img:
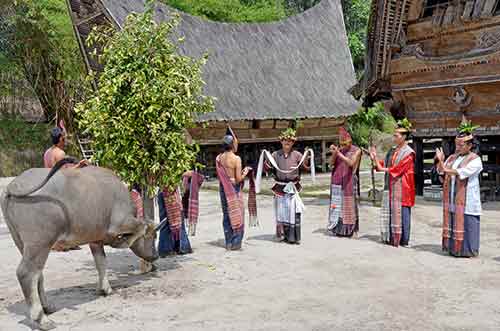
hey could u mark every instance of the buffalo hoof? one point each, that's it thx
(44, 324)
(49, 309)
(105, 291)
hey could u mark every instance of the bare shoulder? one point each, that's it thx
(58, 154)
(235, 160)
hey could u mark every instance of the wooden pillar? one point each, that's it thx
(419, 165)
(497, 162)
(323, 156)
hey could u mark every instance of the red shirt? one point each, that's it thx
(405, 169)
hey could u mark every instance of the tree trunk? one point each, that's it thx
(374, 189)
(148, 205)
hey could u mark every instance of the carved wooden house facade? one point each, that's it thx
(435, 61)
(264, 76)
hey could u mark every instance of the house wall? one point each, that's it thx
(443, 72)
(254, 136)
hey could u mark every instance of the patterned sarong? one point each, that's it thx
(191, 186)
(288, 205)
(137, 199)
(391, 214)
(234, 199)
(173, 205)
(335, 214)
(454, 206)
(343, 194)
(252, 200)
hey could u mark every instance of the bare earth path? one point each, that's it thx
(324, 284)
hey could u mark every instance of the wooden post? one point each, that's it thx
(323, 156)
(419, 166)
(374, 187)
(497, 162)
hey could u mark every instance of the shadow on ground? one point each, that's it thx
(431, 248)
(119, 267)
(218, 243)
(374, 238)
(323, 231)
(263, 237)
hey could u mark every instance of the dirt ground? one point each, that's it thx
(325, 283)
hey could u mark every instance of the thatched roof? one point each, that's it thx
(296, 68)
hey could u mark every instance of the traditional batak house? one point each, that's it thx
(264, 76)
(436, 61)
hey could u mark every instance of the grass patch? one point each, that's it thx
(233, 10)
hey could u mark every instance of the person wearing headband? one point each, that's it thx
(231, 177)
(399, 187)
(343, 218)
(287, 188)
(56, 152)
(461, 195)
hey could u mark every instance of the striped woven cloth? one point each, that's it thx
(233, 198)
(252, 200)
(454, 206)
(173, 206)
(137, 199)
(191, 200)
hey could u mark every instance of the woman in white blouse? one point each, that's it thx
(461, 197)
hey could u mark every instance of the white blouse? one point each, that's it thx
(473, 194)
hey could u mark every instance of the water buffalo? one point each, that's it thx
(67, 207)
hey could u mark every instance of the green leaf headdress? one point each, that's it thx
(466, 127)
(466, 130)
(288, 134)
(403, 126)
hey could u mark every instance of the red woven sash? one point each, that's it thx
(457, 231)
(233, 198)
(173, 206)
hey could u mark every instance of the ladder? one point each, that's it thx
(85, 144)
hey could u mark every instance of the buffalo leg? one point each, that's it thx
(97, 250)
(29, 273)
(47, 308)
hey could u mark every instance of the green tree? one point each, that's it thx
(356, 16)
(147, 96)
(367, 123)
(42, 51)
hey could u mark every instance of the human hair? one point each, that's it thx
(137, 188)
(407, 135)
(474, 143)
(55, 135)
(227, 147)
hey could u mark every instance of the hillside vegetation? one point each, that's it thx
(233, 10)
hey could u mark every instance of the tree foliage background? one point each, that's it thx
(37, 44)
(368, 124)
(147, 96)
